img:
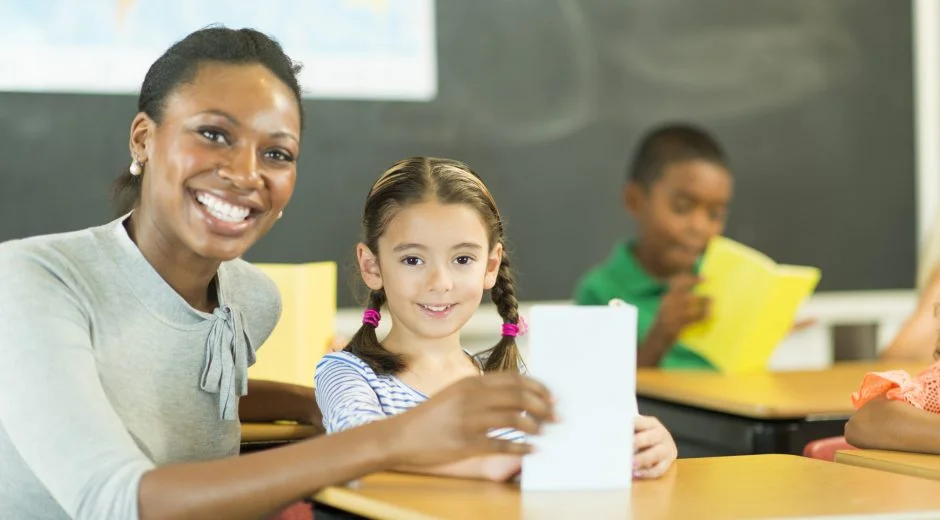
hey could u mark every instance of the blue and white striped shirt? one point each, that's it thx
(351, 394)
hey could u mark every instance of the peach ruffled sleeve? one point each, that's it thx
(922, 392)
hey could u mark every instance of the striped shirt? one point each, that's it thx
(351, 394)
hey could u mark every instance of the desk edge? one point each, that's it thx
(348, 500)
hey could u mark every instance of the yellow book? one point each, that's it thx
(754, 302)
(300, 339)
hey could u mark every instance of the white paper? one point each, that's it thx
(587, 358)
(349, 48)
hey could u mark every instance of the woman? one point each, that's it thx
(125, 347)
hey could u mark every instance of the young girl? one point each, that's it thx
(433, 244)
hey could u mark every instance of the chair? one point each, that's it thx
(825, 449)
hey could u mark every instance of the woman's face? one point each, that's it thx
(222, 163)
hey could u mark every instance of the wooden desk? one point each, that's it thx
(770, 412)
(915, 464)
(726, 487)
(257, 436)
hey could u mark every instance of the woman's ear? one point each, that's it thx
(142, 128)
(369, 267)
(493, 262)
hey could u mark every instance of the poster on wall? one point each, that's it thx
(350, 49)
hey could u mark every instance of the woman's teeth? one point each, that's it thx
(222, 210)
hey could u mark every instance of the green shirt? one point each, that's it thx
(622, 276)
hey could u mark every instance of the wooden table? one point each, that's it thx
(257, 436)
(726, 487)
(769, 412)
(915, 464)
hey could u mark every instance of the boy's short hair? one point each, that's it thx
(671, 143)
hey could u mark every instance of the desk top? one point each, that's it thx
(268, 432)
(766, 395)
(723, 487)
(916, 464)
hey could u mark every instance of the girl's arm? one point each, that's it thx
(498, 468)
(894, 425)
(918, 337)
(348, 400)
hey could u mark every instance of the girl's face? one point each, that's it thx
(221, 164)
(434, 262)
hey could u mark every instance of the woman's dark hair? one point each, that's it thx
(179, 65)
(449, 182)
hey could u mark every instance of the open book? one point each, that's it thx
(754, 302)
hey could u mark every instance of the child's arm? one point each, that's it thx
(918, 338)
(347, 401)
(894, 425)
(680, 307)
(343, 394)
(498, 468)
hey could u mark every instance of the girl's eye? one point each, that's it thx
(464, 260)
(213, 135)
(411, 260)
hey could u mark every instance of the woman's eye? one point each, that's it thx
(214, 135)
(411, 260)
(279, 155)
(464, 260)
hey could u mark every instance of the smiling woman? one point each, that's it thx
(126, 346)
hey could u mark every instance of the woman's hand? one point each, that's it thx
(454, 423)
(654, 448)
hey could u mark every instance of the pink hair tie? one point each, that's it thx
(371, 317)
(515, 329)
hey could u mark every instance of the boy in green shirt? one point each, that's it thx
(678, 190)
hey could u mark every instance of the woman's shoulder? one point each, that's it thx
(245, 287)
(63, 257)
(245, 282)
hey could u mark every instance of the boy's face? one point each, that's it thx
(680, 212)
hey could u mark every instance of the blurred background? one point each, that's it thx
(829, 111)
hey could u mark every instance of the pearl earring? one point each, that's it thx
(136, 168)
(280, 214)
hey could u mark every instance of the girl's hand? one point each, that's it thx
(501, 468)
(653, 447)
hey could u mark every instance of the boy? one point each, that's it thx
(678, 190)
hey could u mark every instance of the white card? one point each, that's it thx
(586, 356)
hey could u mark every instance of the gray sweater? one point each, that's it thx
(106, 372)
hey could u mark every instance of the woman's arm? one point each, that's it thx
(918, 337)
(269, 401)
(348, 401)
(894, 425)
(62, 425)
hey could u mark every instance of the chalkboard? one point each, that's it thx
(545, 99)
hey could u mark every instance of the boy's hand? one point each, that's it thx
(680, 307)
